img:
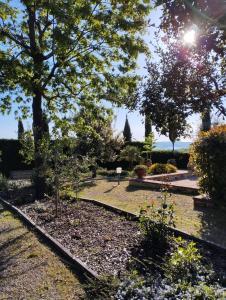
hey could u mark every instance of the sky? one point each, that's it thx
(8, 124)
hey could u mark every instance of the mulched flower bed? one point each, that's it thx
(100, 238)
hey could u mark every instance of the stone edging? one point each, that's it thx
(175, 231)
(76, 263)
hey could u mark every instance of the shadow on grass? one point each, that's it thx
(111, 189)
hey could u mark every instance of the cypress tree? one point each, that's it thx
(148, 125)
(20, 131)
(127, 131)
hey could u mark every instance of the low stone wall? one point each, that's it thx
(169, 177)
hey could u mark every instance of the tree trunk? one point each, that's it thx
(206, 120)
(38, 131)
(173, 146)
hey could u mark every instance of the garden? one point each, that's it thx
(87, 211)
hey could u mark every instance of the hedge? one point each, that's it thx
(181, 158)
(10, 158)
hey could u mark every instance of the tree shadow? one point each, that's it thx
(111, 189)
(213, 225)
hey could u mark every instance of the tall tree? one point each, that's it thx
(127, 131)
(20, 131)
(208, 21)
(58, 55)
(95, 137)
(147, 124)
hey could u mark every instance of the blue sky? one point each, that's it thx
(8, 128)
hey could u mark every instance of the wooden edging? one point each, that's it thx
(175, 231)
(80, 268)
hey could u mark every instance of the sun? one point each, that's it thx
(189, 37)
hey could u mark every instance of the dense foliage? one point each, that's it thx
(131, 154)
(3, 183)
(13, 160)
(57, 57)
(159, 168)
(208, 156)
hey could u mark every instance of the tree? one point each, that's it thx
(94, 136)
(147, 124)
(182, 82)
(149, 145)
(127, 131)
(57, 56)
(130, 154)
(209, 16)
(176, 128)
(208, 20)
(20, 131)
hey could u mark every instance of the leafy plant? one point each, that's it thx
(140, 167)
(184, 262)
(131, 154)
(155, 223)
(159, 168)
(149, 145)
(4, 184)
(172, 161)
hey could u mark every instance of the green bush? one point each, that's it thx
(4, 185)
(139, 167)
(11, 158)
(172, 161)
(154, 223)
(161, 169)
(208, 156)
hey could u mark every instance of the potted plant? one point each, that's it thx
(140, 171)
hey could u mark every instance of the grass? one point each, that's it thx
(208, 223)
(29, 270)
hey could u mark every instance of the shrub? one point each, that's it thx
(185, 262)
(208, 156)
(155, 223)
(172, 161)
(112, 173)
(162, 169)
(4, 185)
(11, 158)
(131, 154)
(140, 171)
(184, 276)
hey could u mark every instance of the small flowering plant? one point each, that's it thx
(155, 223)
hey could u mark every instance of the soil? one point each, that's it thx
(101, 239)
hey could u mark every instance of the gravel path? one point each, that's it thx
(28, 269)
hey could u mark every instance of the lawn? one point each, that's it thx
(29, 270)
(209, 224)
